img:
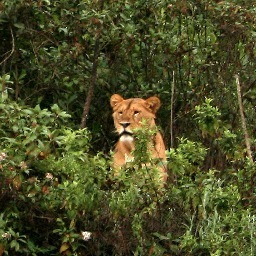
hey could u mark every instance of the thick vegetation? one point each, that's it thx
(60, 63)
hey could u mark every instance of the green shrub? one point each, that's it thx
(49, 182)
(56, 198)
(219, 224)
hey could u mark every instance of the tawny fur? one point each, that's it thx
(128, 115)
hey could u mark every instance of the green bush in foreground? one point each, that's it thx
(58, 199)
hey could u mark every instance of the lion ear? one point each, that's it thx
(115, 99)
(154, 103)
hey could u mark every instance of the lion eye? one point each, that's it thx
(120, 113)
(136, 113)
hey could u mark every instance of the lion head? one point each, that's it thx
(128, 114)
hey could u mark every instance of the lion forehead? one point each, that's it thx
(135, 104)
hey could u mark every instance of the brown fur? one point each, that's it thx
(128, 115)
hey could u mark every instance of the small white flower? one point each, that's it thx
(86, 235)
(2, 156)
(6, 235)
(49, 176)
(23, 165)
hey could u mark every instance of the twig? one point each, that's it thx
(11, 51)
(241, 108)
(35, 92)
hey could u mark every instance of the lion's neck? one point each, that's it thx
(127, 139)
(126, 144)
(123, 150)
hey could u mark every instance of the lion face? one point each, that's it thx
(128, 114)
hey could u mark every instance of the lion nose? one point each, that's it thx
(125, 124)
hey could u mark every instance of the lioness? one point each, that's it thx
(128, 115)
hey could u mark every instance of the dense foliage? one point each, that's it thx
(60, 63)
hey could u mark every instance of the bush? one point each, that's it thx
(56, 198)
(45, 169)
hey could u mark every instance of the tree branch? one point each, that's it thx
(93, 78)
(241, 108)
(172, 100)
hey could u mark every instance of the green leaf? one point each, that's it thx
(28, 111)
(15, 245)
(19, 25)
(162, 237)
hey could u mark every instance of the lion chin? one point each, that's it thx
(128, 115)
